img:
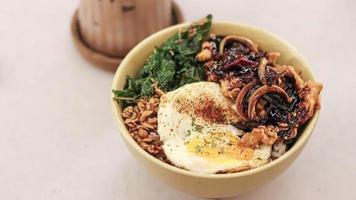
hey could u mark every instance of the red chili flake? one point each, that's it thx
(210, 112)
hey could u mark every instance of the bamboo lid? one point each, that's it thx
(100, 58)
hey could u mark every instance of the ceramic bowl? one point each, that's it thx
(212, 185)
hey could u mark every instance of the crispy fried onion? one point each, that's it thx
(206, 52)
(262, 70)
(272, 57)
(261, 135)
(254, 98)
(290, 71)
(292, 134)
(247, 42)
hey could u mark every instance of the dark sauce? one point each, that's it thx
(277, 108)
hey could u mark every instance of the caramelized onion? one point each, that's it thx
(291, 72)
(299, 83)
(242, 61)
(240, 98)
(251, 112)
(251, 45)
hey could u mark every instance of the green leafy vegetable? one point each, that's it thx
(171, 65)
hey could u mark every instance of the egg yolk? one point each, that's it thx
(219, 146)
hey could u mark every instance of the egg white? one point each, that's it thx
(179, 130)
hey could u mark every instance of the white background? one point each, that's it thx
(58, 139)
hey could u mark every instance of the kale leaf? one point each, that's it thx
(171, 65)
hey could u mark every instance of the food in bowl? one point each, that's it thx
(216, 104)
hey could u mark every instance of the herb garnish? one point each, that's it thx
(171, 65)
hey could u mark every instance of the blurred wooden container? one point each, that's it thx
(105, 30)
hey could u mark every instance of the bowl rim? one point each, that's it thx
(302, 139)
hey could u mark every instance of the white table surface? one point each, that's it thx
(58, 139)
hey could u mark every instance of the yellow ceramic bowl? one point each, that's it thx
(212, 185)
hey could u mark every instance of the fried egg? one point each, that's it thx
(195, 126)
